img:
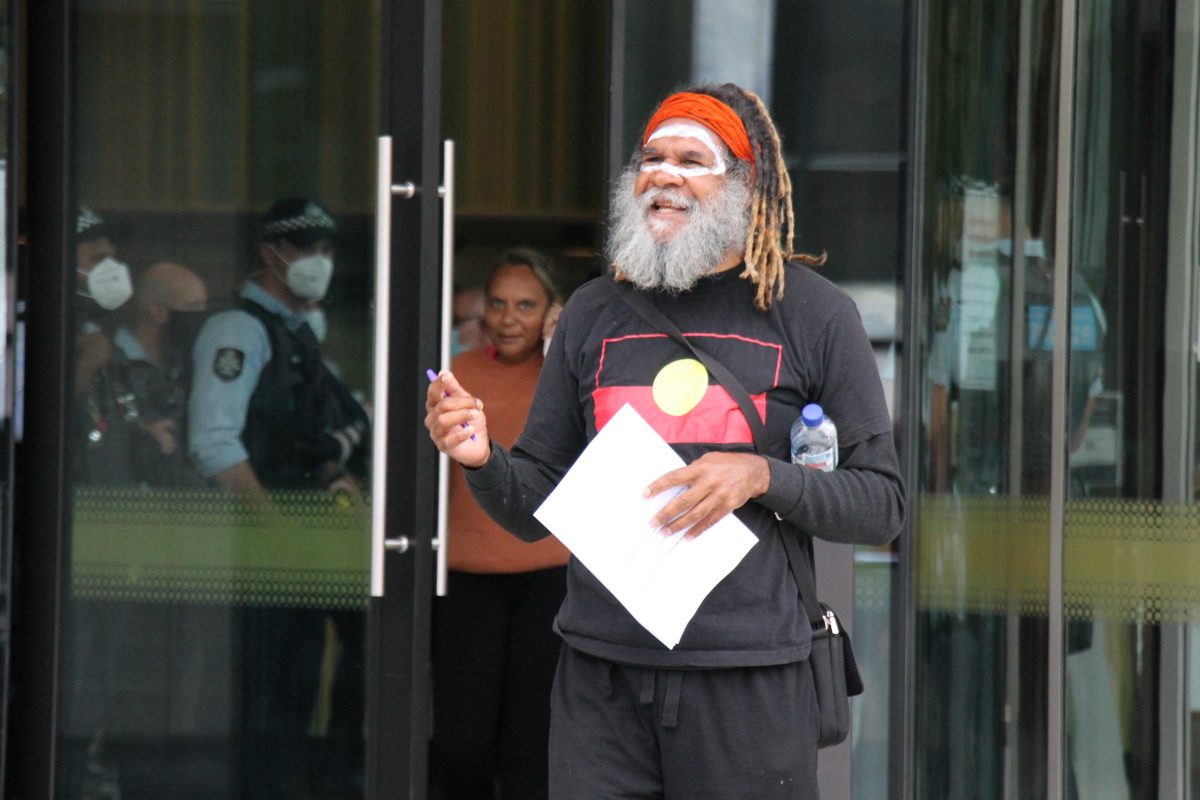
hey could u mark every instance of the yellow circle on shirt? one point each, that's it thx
(679, 386)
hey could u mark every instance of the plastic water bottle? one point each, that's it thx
(814, 439)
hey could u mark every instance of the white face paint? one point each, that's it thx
(690, 130)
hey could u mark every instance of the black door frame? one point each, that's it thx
(399, 671)
(398, 623)
(40, 507)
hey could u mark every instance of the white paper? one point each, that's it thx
(599, 513)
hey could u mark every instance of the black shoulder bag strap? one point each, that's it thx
(798, 560)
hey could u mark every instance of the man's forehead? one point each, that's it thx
(322, 245)
(94, 248)
(97, 243)
(689, 129)
(189, 296)
(468, 300)
(681, 148)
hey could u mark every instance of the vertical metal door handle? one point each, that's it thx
(384, 191)
(446, 192)
(383, 286)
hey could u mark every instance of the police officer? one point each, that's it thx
(105, 425)
(260, 414)
(263, 415)
(106, 416)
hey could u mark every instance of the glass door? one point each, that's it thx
(1125, 598)
(229, 506)
(1054, 528)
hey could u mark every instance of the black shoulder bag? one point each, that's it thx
(835, 672)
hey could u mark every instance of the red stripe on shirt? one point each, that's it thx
(716, 419)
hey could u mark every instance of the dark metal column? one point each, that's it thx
(40, 495)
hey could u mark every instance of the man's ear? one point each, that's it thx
(159, 313)
(267, 254)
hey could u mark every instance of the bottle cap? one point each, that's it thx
(812, 415)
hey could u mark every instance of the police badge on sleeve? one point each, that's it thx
(227, 363)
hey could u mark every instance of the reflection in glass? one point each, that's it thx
(983, 515)
(1119, 246)
(989, 369)
(214, 623)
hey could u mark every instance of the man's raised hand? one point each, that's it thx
(456, 422)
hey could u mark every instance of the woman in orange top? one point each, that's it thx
(494, 650)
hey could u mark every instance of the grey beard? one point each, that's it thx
(713, 229)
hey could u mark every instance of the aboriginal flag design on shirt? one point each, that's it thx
(674, 392)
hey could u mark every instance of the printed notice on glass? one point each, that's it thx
(980, 289)
(599, 513)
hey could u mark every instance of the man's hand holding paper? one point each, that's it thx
(714, 485)
(601, 512)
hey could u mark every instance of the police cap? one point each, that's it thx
(90, 226)
(300, 221)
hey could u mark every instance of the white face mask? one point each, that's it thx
(316, 320)
(308, 277)
(109, 284)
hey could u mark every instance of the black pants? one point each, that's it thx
(494, 654)
(620, 732)
(285, 755)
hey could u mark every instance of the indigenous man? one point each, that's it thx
(698, 229)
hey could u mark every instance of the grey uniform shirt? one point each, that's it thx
(228, 357)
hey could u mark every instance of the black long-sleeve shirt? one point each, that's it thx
(809, 347)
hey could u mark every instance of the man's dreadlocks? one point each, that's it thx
(771, 196)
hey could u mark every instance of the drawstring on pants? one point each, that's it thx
(671, 694)
(670, 715)
(647, 695)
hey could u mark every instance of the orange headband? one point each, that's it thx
(709, 112)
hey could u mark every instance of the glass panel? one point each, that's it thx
(983, 507)
(215, 616)
(1115, 517)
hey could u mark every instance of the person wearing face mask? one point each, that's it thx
(261, 414)
(494, 648)
(258, 382)
(105, 427)
(466, 330)
(106, 417)
(165, 294)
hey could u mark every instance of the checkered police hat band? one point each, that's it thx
(312, 218)
(86, 220)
